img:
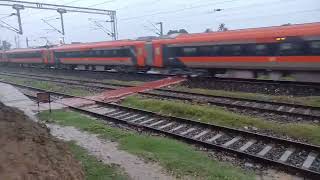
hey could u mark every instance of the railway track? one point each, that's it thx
(282, 87)
(258, 86)
(293, 110)
(288, 155)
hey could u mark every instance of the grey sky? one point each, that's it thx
(135, 17)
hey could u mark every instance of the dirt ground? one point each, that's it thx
(109, 153)
(29, 152)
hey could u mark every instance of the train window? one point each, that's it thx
(69, 54)
(91, 53)
(97, 53)
(315, 47)
(290, 49)
(216, 50)
(261, 49)
(190, 51)
(232, 50)
(205, 51)
(83, 54)
(125, 52)
(105, 52)
(172, 51)
(286, 46)
(75, 54)
(236, 50)
(25, 55)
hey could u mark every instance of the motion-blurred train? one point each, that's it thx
(275, 52)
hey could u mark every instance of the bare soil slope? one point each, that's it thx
(28, 151)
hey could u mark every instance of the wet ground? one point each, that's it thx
(109, 153)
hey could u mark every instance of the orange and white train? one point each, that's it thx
(275, 51)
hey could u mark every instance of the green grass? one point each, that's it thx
(51, 86)
(176, 157)
(309, 100)
(219, 116)
(94, 169)
(129, 83)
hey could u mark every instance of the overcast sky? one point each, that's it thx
(135, 17)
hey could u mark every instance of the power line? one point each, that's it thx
(55, 2)
(68, 3)
(176, 10)
(279, 14)
(105, 2)
(61, 9)
(232, 8)
(264, 16)
(138, 4)
(4, 17)
(151, 30)
(54, 28)
(256, 4)
(184, 9)
(101, 27)
(71, 2)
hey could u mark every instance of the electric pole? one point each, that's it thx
(17, 41)
(61, 12)
(27, 42)
(161, 28)
(18, 7)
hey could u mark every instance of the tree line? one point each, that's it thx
(5, 45)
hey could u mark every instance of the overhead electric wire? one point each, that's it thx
(184, 9)
(230, 9)
(67, 3)
(263, 16)
(105, 2)
(241, 7)
(269, 15)
(8, 15)
(138, 4)
(177, 10)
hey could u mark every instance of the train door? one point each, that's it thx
(158, 55)
(140, 54)
(45, 57)
(149, 54)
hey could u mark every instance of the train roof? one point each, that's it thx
(25, 50)
(104, 44)
(263, 34)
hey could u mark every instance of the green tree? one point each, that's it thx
(5, 45)
(222, 27)
(182, 31)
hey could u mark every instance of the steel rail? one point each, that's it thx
(219, 79)
(261, 159)
(190, 96)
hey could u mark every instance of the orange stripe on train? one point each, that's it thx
(96, 59)
(259, 59)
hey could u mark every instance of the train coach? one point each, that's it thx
(39, 57)
(274, 51)
(2, 57)
(123, 55)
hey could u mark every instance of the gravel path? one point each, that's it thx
(109, 153)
